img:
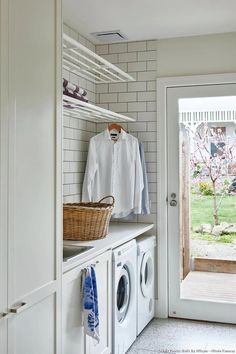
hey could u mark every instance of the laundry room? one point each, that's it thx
(117, 177)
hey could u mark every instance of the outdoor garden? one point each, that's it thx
(213, 193)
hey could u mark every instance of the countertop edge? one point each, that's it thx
(109, 245)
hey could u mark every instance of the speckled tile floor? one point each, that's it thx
(174, 336)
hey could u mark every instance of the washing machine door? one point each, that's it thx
(146, 274)
(123, 294)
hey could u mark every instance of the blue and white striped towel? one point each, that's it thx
(90, 303)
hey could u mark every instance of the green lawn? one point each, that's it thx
(202, 213)
(202, 210)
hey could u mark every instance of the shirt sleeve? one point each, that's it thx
(90, 171)
(139, 185)
(145, 194)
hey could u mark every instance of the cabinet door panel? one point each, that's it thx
(103, 275)
(73, 339)
(3, 171)
(34, 329)
(72, 330)
(3, 336)
(32, 146)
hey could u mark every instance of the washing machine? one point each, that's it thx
(145, 281)
(124, 296)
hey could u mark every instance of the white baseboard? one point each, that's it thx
(159, 313)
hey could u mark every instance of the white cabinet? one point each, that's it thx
(104, 286)
(30, 216)
(72, 330)
(34, 329)
(73, 339)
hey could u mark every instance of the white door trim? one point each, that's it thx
(162, 257)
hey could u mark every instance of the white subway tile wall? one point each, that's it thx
(137, 100)
(76, 134)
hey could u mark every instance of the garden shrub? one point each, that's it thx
(205, 188)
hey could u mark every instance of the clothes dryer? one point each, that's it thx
(145, 281)
(124, 297)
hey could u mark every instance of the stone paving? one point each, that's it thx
(209, 249)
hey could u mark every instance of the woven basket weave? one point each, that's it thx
(87, 221)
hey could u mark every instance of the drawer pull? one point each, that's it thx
(18, 308)
(3, 315)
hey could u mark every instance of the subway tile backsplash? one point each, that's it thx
(76, 134)
(135, 99)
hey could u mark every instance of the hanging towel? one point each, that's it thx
(90, 303)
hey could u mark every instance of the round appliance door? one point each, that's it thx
(123, 294)
(146, 274)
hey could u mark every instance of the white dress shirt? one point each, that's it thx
(114, 168)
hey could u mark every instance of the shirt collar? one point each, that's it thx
(122, 136)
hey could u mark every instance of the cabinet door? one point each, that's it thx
(104, 286)
(34, 256)
(73, 339)
(4, 58)
(3, 208)
(34, 329)
(72, 330)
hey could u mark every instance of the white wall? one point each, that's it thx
(197, 55)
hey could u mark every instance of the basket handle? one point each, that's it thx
(108, 196)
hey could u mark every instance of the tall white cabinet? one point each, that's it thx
(30, 183)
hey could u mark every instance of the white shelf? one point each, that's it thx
(87, 64)
(82, 110)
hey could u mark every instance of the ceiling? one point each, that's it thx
(150, 19)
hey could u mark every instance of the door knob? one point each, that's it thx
(173, 203)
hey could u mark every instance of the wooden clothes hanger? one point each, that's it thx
(115, 126)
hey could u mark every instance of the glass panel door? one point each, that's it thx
(202, 202)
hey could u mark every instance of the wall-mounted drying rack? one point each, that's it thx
(82, 110)
(89, 65)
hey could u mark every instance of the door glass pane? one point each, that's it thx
(123, 295)
(121, 291)
(146, 273)
(207, 165)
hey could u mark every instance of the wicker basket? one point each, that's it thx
(87, 221)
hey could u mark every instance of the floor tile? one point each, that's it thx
(175, 336)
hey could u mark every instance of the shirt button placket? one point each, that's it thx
(113, 167)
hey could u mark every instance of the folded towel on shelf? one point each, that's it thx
(74, 88)
(80, 91)
(90, 303)
(79, 97)
(70, 93)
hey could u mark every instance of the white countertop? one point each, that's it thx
(119, 233)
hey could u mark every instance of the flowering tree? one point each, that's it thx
(213, 155)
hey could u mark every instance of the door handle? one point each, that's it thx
(19, 308)
(173, 203)
(4, 315)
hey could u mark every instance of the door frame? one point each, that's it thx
(162, 302)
